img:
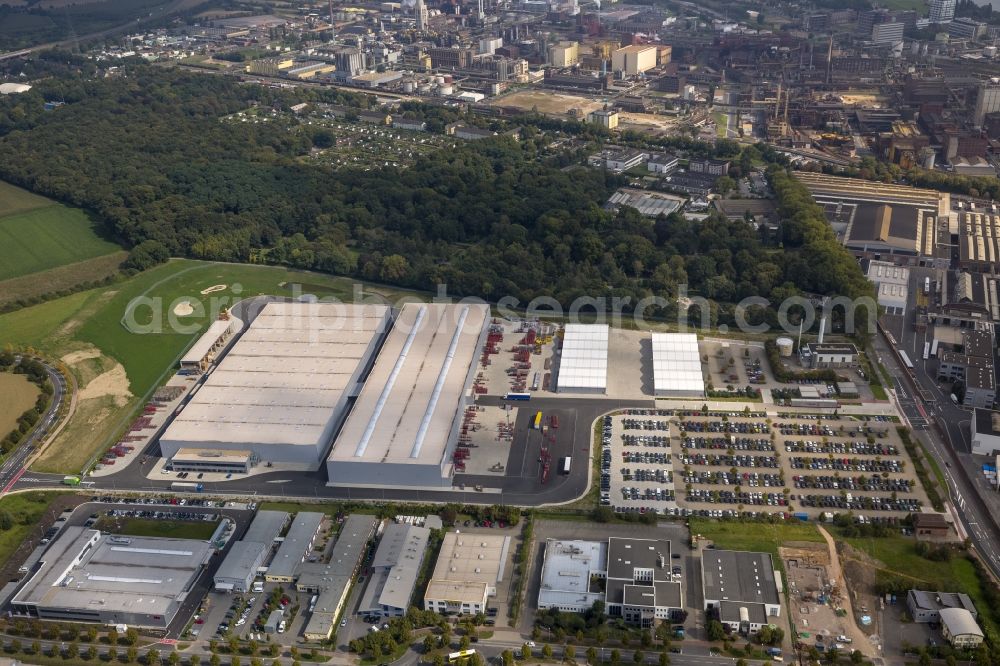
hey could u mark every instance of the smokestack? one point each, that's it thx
(333, 35)
(822, 328)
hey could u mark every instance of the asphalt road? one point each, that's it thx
(943, 429)
(13, 468)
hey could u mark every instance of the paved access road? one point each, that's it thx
(14, 467)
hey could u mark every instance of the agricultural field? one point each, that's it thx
(44, 238)
(17, 394)
(62, 278)
(120, 349)
(15, 200)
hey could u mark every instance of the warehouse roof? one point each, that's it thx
(626, 555)
(352, 541)
(293, 549)
(242, 560)
(583, 360)
(266, 526)
(733, 575)
(141, 575)
(396, 566)
(677, 364)
(282, 380)
(204, 344)
(468, 565)
(407, 408)
(566, 571)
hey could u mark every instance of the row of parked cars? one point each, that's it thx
(712, 460)
(857, 448)
(734, 443)
(858, 503)
(741, 427)
(891, 465)
(875, 482)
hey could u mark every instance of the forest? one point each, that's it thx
(147, 152)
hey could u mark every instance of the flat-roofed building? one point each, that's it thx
(330, 579)
(979, 241)
(568, 571)
(404, 426)
(296, 545)
(741, 587)
(677, 365)
(647, 202)
(206, 348)
(266, 527)
(394, 570)
(283, 388)
(468, 569)
(926, 606)
(213, 460)
(830, 355)
(985, 426)
(880, 221)
(240, 566)
(633, 60)
(891, 284)
(973, 366)
(86, 576)
(583, 359)
(640, 587)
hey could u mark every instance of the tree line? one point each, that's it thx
(149, 153)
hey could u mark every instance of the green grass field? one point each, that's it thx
(17, 394)
(26, 509)
(14, 200)
(761, 537)
(173, 529)
(44, 238)
(899, 557)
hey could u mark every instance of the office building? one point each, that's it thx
(741, 588)
(87, 576)
(926, 607)
(468, 569)
(942, 11)
(296, 545)
(394, 570)
(640, 587)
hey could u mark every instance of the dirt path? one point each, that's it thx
(861, 641)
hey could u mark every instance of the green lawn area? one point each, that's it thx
(899, 557)
(13, 200)
(27, 510)
(760, 537)
(43, 238)
(174, 529)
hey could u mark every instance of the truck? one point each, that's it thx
(186, 487)
(71, 480)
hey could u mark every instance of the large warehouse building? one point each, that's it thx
(583, 359)
(283, 389)
(677, 366)
(87, 576)
(403, 428)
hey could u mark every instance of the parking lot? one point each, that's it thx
(637, 471)
(721, 463)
